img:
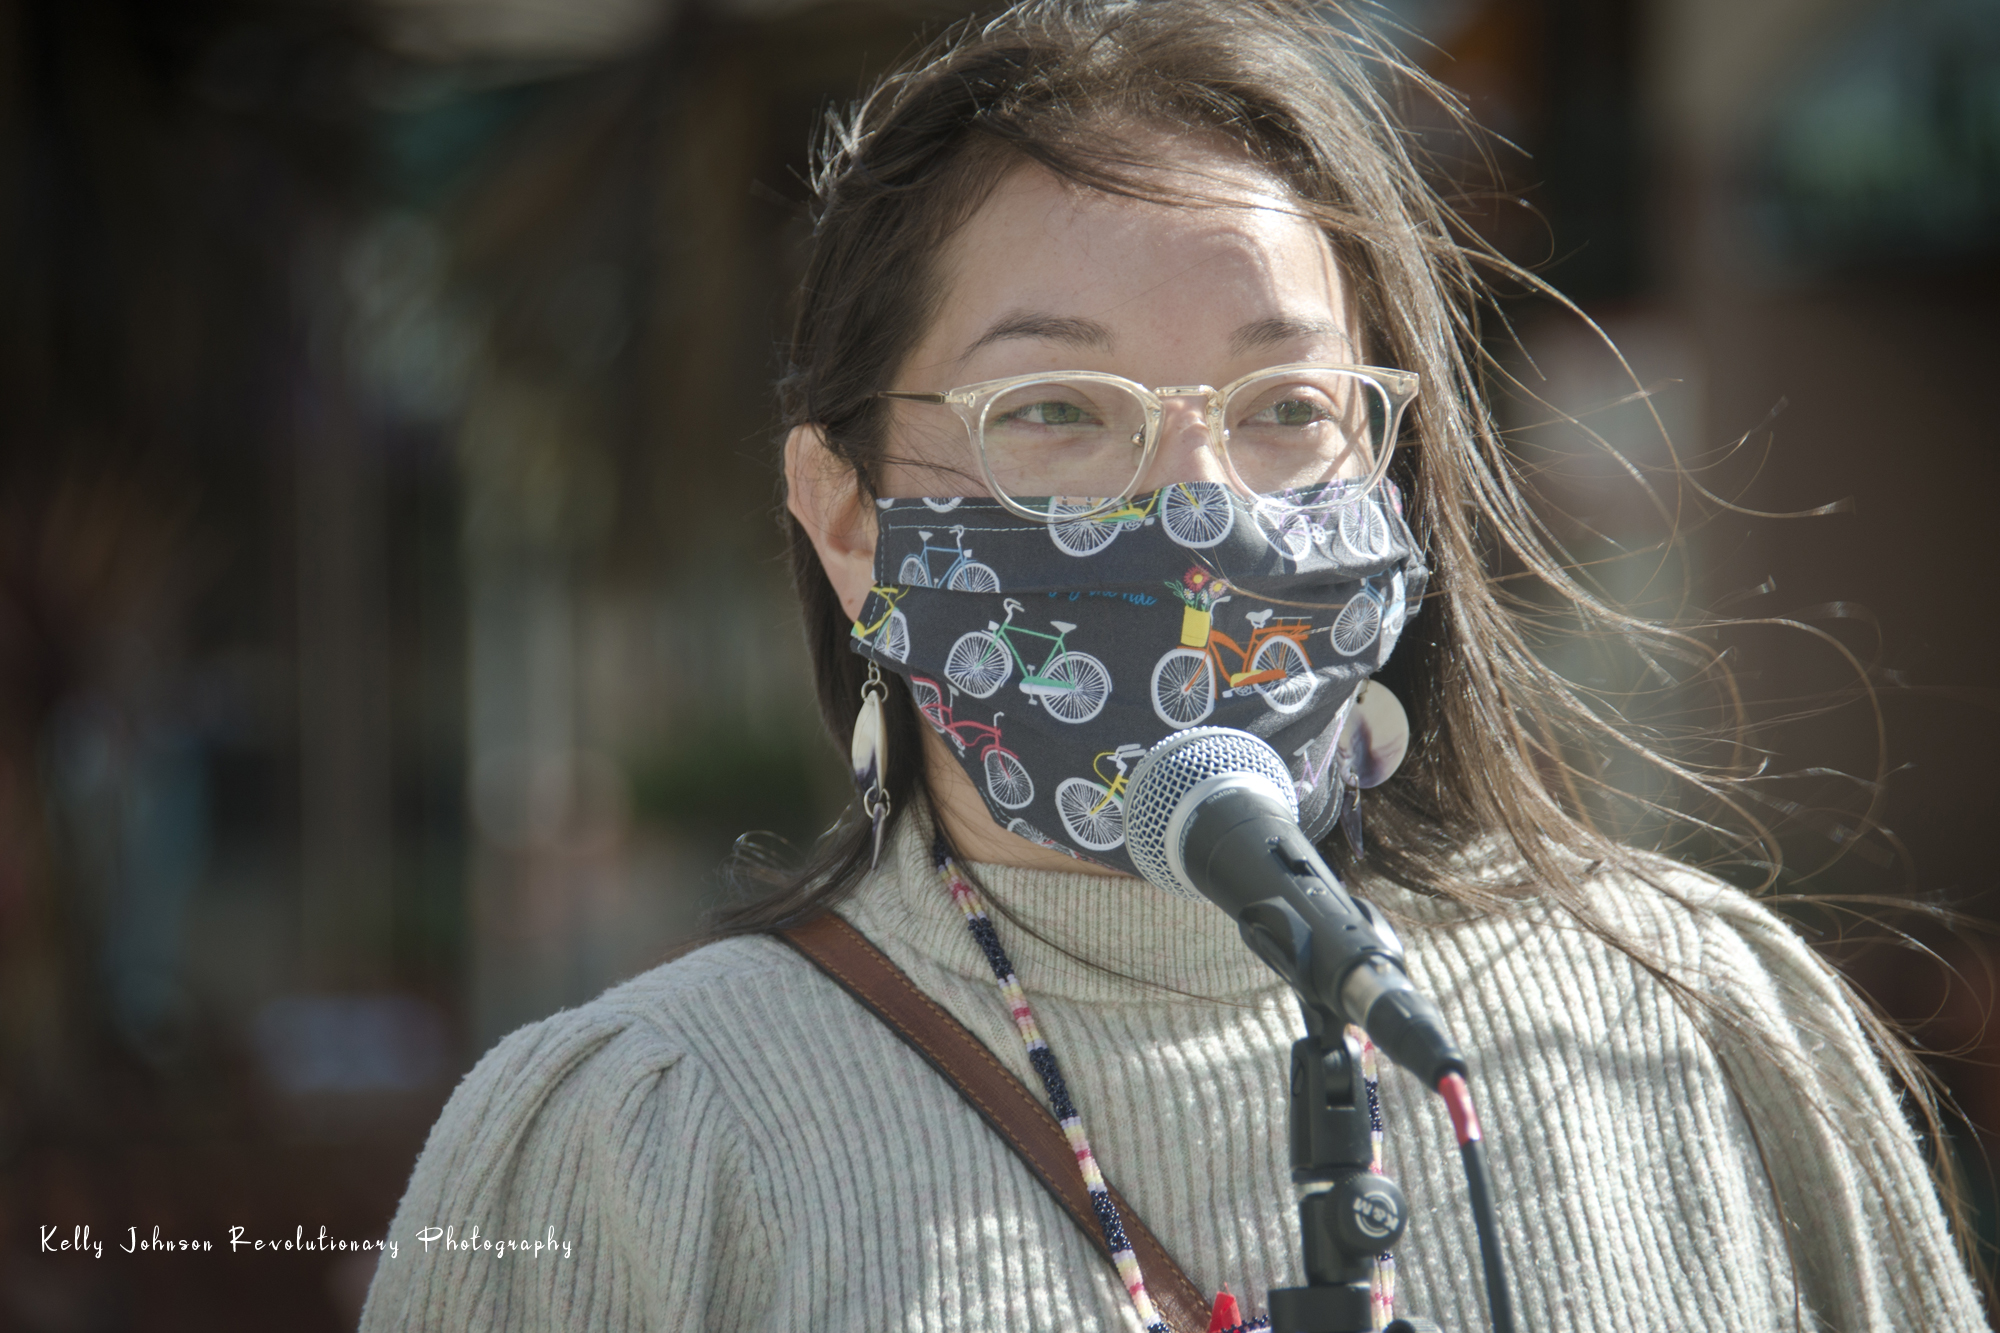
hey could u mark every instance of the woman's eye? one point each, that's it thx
(1052, 414)
(1289, 412)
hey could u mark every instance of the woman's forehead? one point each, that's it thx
(1197, 284)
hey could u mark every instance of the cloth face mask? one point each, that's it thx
(1052, 656)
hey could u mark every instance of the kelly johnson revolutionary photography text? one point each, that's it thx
(470, 1241)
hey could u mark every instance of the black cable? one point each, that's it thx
(1499, 1304)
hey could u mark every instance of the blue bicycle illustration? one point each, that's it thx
(962, 574)
(1072, 686)
(1359, 623)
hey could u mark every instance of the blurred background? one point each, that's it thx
(393, 631)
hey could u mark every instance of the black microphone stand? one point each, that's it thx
(1220, 826)
(1348, 1214)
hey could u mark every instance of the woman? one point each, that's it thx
(1035, 250)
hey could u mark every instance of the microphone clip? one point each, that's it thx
(1348, 1215)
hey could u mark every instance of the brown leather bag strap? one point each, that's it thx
(1002, 1100)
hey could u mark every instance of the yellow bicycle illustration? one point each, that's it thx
(1194, 513)
(890, 631)
(1094, 812)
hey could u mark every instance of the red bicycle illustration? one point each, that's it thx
(1007, 780)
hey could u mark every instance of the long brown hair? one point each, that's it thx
(1503, 746)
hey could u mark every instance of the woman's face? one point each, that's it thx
(1051, 277)
(1048, 276)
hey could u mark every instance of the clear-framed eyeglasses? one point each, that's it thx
(1303, 436)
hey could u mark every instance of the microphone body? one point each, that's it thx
(1210, 813)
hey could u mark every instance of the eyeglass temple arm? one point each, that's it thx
(914, 396)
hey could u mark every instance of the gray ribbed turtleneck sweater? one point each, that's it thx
(729, 1142)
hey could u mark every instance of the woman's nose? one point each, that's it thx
(1188, 449)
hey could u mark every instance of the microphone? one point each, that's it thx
(1210, 813)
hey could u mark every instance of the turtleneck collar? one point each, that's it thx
(1122, 940)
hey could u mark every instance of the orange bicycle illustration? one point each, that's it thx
(1007, 780)
(1094, 812)
(1273, 662)
(889, 632)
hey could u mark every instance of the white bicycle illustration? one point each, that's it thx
(1023, 828)
(1362, 529)
(1194, 513)
(1356, 524)
(1291, 532)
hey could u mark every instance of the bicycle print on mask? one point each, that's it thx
(1066, 649)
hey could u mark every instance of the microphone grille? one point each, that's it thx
(1170, 772)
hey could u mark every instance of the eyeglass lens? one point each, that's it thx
(1081, 437)
(1065, 437)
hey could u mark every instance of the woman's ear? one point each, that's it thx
(825, 496)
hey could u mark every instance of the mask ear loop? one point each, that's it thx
(868, 757)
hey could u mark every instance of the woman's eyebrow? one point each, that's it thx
(1084, 333)
(1260, 334)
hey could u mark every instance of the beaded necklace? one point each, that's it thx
(1044, 1062)
(1382, 1286)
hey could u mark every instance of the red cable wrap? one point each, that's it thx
(1458, 1101)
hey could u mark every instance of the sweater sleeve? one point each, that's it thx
(592, 1136)
(1867, 1235)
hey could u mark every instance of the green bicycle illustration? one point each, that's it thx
(1094, 812)
(890, 632)
(963, 574)
(1072, 686)
(1273, 662)
(1194, 513)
